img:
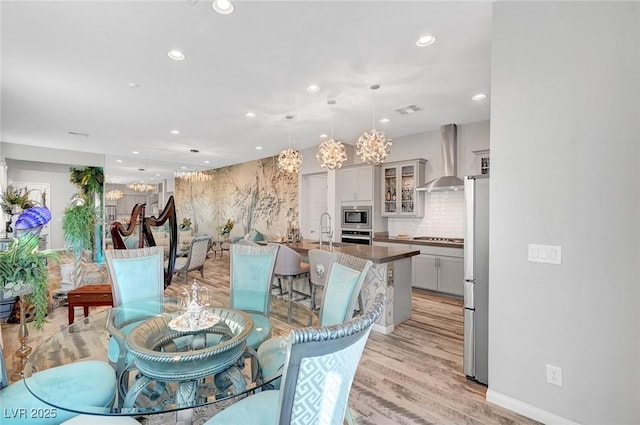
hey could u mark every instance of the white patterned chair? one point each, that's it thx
(317, 377)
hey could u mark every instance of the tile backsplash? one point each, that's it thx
(443, 217)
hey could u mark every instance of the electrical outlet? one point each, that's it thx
(554, 375)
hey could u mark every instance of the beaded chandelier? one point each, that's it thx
(331, 153)
(373, 146)
(114, 195)
(289, 159)
(141, 187)
(194, 176)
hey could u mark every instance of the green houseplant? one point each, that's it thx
(90, 181)
(78, 225)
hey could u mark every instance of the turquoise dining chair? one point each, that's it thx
(86, 383)
(321, 363)
(137, 278)
(251, 271)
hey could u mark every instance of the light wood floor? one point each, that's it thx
(412, 376)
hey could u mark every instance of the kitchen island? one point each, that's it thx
(390, 274)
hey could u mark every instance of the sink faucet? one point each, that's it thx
(326, 230)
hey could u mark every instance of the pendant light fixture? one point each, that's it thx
(373, 146)
(289, 159)
(331, 153)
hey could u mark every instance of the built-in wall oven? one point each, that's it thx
(356, 225)
(361, 237)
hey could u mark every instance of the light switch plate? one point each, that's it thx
(550, 254)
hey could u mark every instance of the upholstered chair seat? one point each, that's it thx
(87, 383)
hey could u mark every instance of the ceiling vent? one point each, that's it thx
(407, 110)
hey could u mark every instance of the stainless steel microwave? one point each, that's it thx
(356, 217)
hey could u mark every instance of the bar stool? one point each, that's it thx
(320, 262)
(289, 266)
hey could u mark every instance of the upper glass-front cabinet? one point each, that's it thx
(399, 182)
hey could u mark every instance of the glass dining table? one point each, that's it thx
(171, 367)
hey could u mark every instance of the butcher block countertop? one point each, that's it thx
(376, 254)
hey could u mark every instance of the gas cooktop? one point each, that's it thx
(439, 240)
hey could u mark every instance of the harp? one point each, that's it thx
(145, 235)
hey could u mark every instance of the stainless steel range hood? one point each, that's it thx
(448, 181)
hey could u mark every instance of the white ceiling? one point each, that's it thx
(66, 67)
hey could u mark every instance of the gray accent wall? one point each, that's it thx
(565, 158)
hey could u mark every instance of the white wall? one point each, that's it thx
(564, 162)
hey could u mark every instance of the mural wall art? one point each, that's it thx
(254, 195)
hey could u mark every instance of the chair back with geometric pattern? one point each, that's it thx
(342, 288)
(251, 273)
(321, 363)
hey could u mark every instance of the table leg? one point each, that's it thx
(86, 310)
(70, 309)
(186, 393)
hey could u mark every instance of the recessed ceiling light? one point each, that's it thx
(479, 96)
(207, 161)
(223, 7)
(157, 174)
(313, 88)
(175, 132)
(176, 55)
(135, 152)
(250, 115)
(384, 120)
(258, 147)
(133, 85)
(426, 40)
(323, 136)
(183, 168)
(118, 160)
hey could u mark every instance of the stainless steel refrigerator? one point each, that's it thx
(476, 278)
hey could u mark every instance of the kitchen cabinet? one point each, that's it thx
(399, 194)
(356, 184)
(437, 272)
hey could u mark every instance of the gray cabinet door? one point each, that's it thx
(425, 272)
(451, 275)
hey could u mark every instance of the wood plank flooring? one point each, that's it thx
(412, 376)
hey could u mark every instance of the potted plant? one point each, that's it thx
(90, 181)
(23, 269)
(14, 201)
(186, 224)
(78, 226)
(226, 228)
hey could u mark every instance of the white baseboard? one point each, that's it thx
(383, 329)
(527, 410)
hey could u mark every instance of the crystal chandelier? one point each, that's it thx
(331, 153)
(194, 176)
(141, 187)
(373, 146)
(114, 195)
(290, 160)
